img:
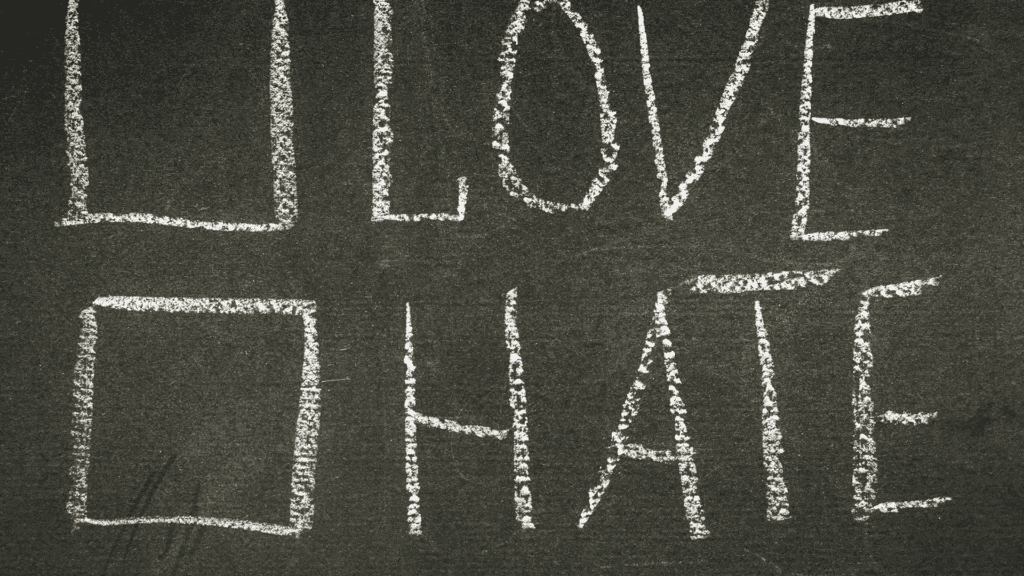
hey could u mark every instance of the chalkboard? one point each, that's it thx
(511, 287)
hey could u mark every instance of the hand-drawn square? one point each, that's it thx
(306, 429)
(283, 156)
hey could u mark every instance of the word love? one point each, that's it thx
(281, 127)
(659, 335)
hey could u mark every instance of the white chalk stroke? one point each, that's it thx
(764, 282)
(306, 427)
(864, 122)
(283, 155)
(609, 148)
(671, 204)
(682, 455)
(803, 187)
(520, 431)
(912, 419)
(383, 136)
(865, 465)
(520, 424)
(771, 435)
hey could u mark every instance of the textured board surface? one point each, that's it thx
(587, 287)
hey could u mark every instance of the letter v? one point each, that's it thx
(670, 205)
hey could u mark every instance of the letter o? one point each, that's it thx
(609, 149)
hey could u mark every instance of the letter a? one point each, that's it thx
(683, 452)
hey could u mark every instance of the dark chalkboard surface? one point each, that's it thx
(230, 345)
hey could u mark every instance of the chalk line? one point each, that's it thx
(285, 192)
(609, 148)
(74, 124)
(907, 418)
(453, 426)
(383, 136)
(892, 507)
(683, 455)
(81, 429)
(207, 305)
(275, 529)
(803, 189)
(864, 122)
(868, 10)
(283, 155)
(412, 468)
(865, 466)
(520, 434)
(771, 281)
(900, 290)
(639, 452)
(306, 429)
(670, 205)
(520, 424)
(771, 435)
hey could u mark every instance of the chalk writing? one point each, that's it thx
(520, 433)
(865, 467)
(383, 70)
(683, 453)
(283, 155)
(803, 169)
(771, 435)
(609, 148)
(306, 428)
(671, 205)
